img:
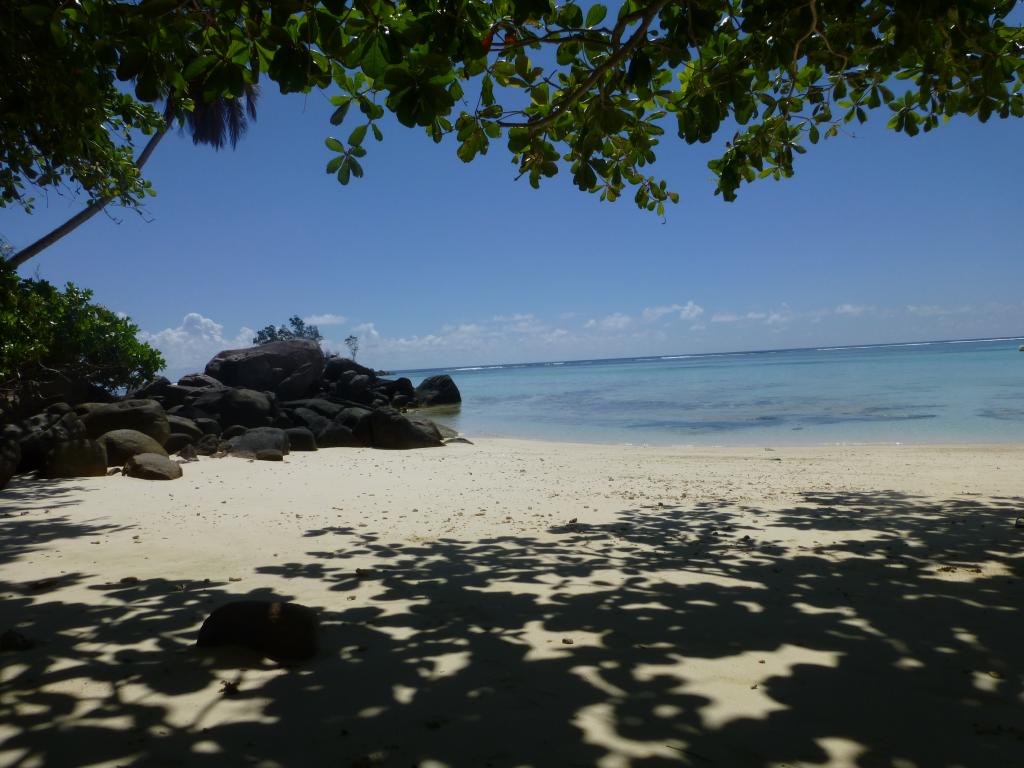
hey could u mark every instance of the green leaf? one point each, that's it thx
(333, 144)
(357, 136)
(335, 163)
(338, 117)
(596, 15)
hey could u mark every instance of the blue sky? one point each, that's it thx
(432, 262)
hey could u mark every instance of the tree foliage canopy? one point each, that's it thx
(298, 330)
(50, 336)
(586, 88)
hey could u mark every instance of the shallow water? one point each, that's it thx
(930, 392)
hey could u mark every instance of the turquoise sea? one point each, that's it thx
(925, 392)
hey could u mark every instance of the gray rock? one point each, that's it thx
(41, 434)
(301, 439)
(325, 408)
(77, 458)
(176, 442)
(209, 426)
(181, 426)
(337, 435)
(284, 632)
(152, 466)
(246, 407)
(10, 453)
(146, 416)
(266, 366)
(438, 390)
(334, 367)
(200, 381)
(210, 445)
(268, 454)
(255, 440)
(359, 420)
(234, 431)
(392, 431)
(122, 444)
(313, 421)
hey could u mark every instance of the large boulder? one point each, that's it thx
(152, 466)
(337, 435)
(244, 407)
(146, 416)
(281, 631)
(301, 439)
(122, 444)
(200, 381)
(393, 431)
(76, 458)
(267, 366)
(182, 426)
(41, 433)
(438, 390)
(360, 421)
(354, 387)
(336, 366)
(155, 388)
(256, 440)
(313, 421)
(325, 408)
(10, 453)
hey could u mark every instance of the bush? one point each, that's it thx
(54, 342)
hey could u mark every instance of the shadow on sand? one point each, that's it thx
(905, 615)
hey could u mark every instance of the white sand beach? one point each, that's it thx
(516, 603)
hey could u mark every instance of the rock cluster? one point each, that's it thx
(259, 403)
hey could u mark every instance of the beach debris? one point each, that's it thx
(152, 466)
(284, 632)
(567, 641)
(129, 581)
(12, 640)
(228, 688)
(450, 440)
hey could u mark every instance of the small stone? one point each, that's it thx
(567, 641)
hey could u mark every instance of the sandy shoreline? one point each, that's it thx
(798, 606)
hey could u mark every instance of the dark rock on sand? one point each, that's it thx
(438, 390)
(181, 425)
(301, 439)
(311, 420)
(255, 440)
(77, 458)
(10, 453)
(122, 444)
(176, 442)
(208, 426)
(146, 416)
(42, 433)
(245, 407)
(209, 445)
(393, 431)
(234, 431)
(284, 632)
(268, 454)
(152, 466)
(360, 421)
(336, 435)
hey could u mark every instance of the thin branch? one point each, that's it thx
(599, 71)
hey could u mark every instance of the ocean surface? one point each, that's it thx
(925, 392)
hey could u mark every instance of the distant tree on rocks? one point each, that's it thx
(298, 330)
(352, 342)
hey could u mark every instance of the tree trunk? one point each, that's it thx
(83, 216)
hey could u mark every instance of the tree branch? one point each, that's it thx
(614, 59)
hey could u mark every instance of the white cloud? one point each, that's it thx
(688, 311)
(326, 319)
(854, 310)
(775, 317)
(190, 346)
(933, 310)
(613, 322)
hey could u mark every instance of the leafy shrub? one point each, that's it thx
(52, 339)
(298, 330)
